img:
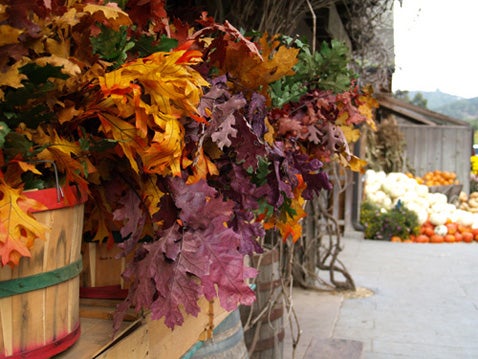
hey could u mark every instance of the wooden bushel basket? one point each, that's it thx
(39, 298)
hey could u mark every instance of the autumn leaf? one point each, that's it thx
(68, 67)
(202, 167)
(110, 13)
(352, 162)
(366, 107)
(18, 228)
(351, 134)
(9, 35)
(13, 77)
(125, 135)
(257, 73)
(173, 89)
(165, 153)
(289, 222)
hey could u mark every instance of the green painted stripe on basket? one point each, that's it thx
(39, 281)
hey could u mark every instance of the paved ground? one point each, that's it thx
(424, 304)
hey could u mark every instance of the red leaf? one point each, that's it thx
(227, 270)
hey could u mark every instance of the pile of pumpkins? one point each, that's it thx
(439, 220)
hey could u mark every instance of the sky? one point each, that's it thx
(436, 46)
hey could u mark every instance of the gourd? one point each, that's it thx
(438, 218)
(441, 230)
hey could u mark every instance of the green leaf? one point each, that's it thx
(259, 177)
(40, 74)
(112, 45)
(326, 69)
(146, 45)
(4, 130)
(17, 144)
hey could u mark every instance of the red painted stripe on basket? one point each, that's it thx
(49, 198)
(50, 349)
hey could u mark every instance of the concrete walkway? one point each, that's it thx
(423, 305)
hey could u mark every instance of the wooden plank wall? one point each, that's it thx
(444, 148)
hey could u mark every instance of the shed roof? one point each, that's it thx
(415, 113)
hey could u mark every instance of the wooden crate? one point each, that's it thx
(140, 336)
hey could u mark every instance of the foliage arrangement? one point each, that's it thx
(192, 141)
(380, 224)
(385, 147)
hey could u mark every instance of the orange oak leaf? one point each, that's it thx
(165, 153)
(256, 73)
(123, 132)
(65, 154)
(202, 167)
(18, 228)
(98, 222)
(15, 170)
(156, 91)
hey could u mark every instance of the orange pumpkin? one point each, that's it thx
(463, 229)
(395, 239)
(436, 238)
(474, 231)
(449, 238)
(421, 238)
(458, 237)
(452, 228)
(467, 237)
(429, 231)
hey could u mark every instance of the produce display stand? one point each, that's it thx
(139, 336)
(452, 192)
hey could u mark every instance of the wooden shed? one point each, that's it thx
(433, 141)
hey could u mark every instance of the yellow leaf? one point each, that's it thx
(25, 166)
(99, 218)
(9, 35)
(111, 12)
(68, 113)
(253, 72)
(12, 77)
(164, 155)
(368, 104)
(18, 228)
(69, 18)
(175, 88)
(353, 162)
(58, 48)
(269, 135)
(151, 194)
(351, 134)
(68, 67)
(125, 134)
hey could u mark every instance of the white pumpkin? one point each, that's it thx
(438, 218)
(441, 230)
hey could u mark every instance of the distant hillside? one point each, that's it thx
(436, 99)
(464, 109)
(453, 106)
